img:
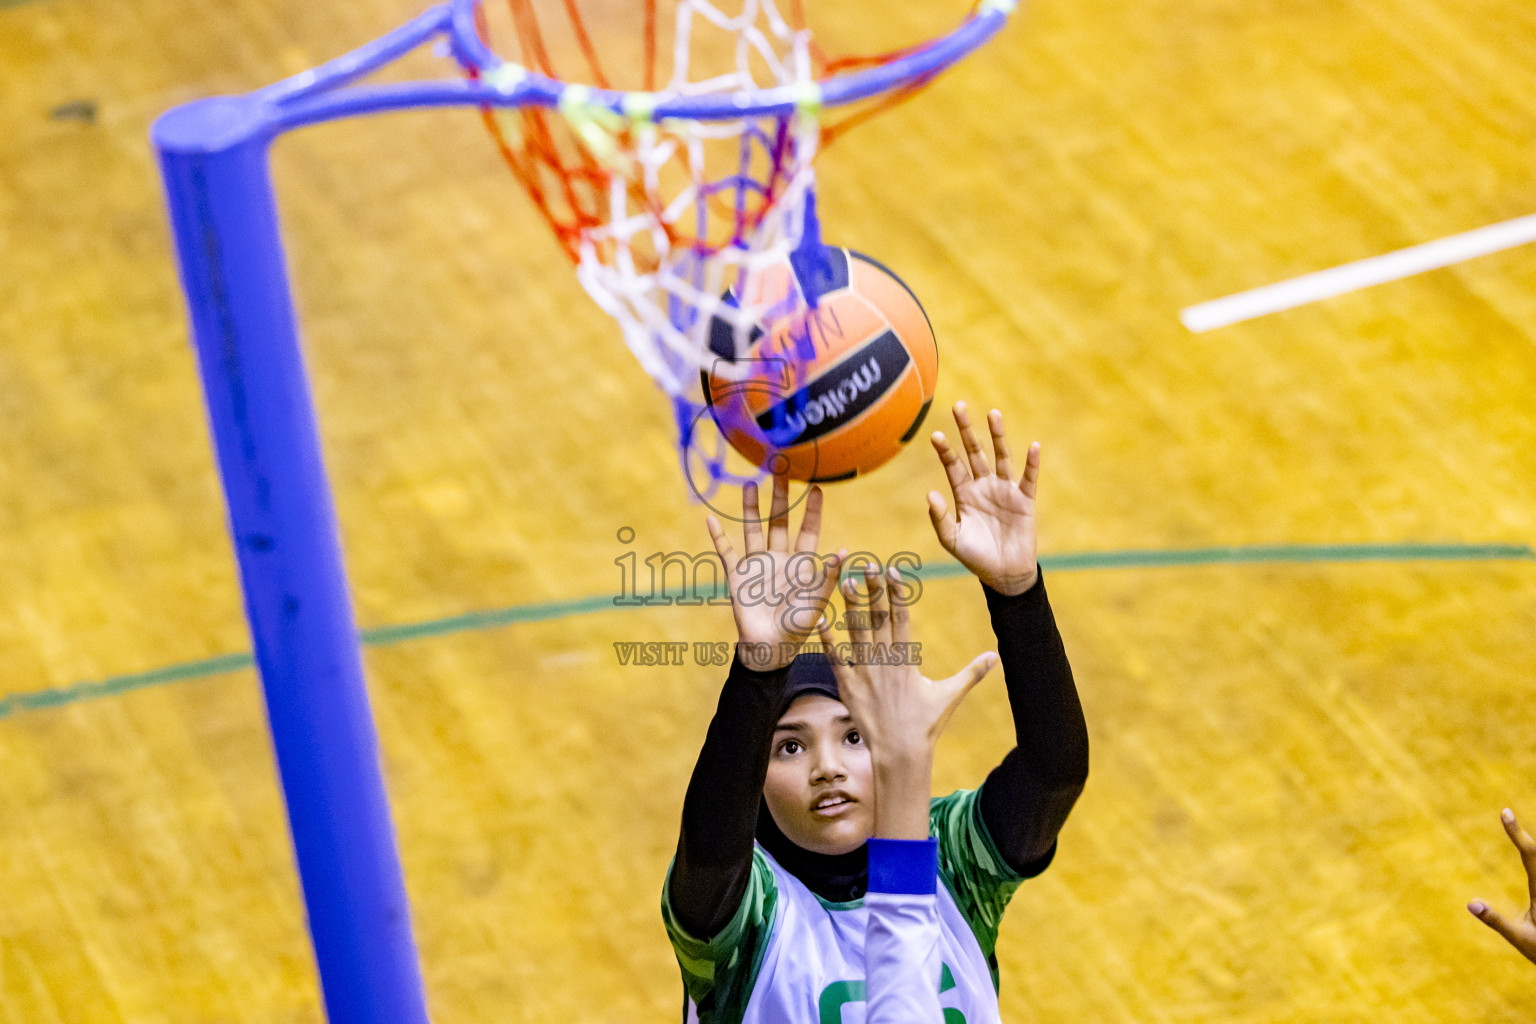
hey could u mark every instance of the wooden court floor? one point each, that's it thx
(1297, 765)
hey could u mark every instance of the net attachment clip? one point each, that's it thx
(808, 99)
(506, 77)
(599, 126)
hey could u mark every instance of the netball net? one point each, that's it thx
(666, 217)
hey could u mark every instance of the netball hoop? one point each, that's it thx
(658, 230)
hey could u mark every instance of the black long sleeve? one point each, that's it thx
(714, 849)
(1026, 799)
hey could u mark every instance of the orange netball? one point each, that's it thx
(825, 393)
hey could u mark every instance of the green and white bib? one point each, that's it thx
(789, 957)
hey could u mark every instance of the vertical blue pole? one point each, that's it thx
(213, 156)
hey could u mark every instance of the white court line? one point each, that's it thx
(1324, 284)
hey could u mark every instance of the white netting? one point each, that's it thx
(664, 258)
(665, 217)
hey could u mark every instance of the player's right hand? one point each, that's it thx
(778, 593)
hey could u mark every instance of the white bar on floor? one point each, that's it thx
(1324, 284)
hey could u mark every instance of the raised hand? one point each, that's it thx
(992, 529)
(900, 712)
(1521, 932)
(777, 593)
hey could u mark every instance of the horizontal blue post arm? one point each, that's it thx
(324, 93)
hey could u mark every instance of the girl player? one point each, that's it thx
(764, 901)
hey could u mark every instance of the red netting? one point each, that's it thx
(572, 187)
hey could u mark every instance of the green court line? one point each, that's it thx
(1289, 553)
(495, 618)
(39, 699)
(381, 636)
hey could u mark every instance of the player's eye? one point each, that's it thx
(854, 737)
(790, 747)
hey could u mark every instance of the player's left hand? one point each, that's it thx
(992, 530)
(900, 711)
(1520, 933)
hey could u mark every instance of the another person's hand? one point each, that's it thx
(778, 593)
(899, 711)
(992, 529)
(1521, 932)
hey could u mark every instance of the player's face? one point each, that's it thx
(820, 787)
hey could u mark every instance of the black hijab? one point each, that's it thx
(837, 878)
